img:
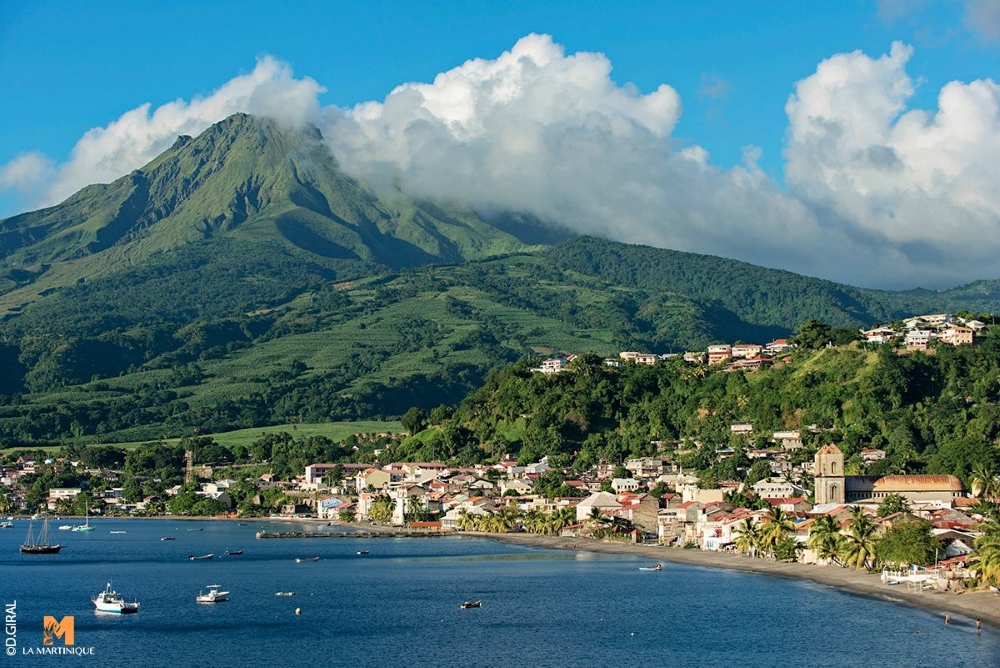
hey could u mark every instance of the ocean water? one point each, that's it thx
(399, 606)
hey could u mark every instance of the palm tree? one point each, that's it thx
(989, 554)
(859, 544)
(466, 522)
(985, 483)
(779, 525)
(825, 538)
(748, 537)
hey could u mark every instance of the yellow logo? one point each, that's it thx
(53, 629)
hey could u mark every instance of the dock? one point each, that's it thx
(350, 534)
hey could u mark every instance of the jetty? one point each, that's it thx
(350, 534)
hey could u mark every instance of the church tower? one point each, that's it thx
(829, 474)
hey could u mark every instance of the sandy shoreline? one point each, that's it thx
(963, 608)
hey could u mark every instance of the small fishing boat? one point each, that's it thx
(361, 552)
(111, 601)
(657, 567)
(7, 525)
(66, 527)
(285, 593)
(116, 532)
(192, 557)
(471, 604)
(302, 560)
(168, 538)
(213, 595)
(201, 529)
(234, 553)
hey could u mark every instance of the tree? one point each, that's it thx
(909, 542)
(859, 544)
(825, 538)
(989, 551)
(748, 537)
(985, 482)
(813, 335)
(380, 511)
(415, 420)
(892, 504)
(779, 525)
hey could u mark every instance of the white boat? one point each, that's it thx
(86, 524)
(7, 525)
(213, 595)
(116, 532)
(111, 601)
(285, 593)
(65, 527)
(302, 560)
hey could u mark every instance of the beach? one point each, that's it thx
(963, 608)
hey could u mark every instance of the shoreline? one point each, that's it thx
(964, 609)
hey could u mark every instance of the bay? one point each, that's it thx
(399, 605)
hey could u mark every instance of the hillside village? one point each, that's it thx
(785, 484)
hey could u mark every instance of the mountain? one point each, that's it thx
(241, 279)
(245, 188)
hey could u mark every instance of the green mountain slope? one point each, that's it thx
(240, 279)
(244, 188)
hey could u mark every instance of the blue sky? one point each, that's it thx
(67, 68)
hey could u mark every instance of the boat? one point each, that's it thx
(111, 601)
(285, 593)
(471, 604)
(42, 545)
(202, 557)
(213, 595)
(657, 567)
(116, 532)
(7, 525)
(86, 524)
(168, 538)
(201, 529)
(300, 560)
(361, 552)
(234, 553)
(66, 527)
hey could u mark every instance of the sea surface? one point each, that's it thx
(399, 606)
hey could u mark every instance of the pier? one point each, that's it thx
(350, 534)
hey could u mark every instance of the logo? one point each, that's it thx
(52, 629)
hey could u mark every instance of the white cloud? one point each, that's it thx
(139, 135)
(878, 194)
(917, 183)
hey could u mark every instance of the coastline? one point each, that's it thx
(964, 608)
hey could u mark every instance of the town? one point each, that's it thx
(785, 501)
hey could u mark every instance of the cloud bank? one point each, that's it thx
(104, 154)
(876, 194)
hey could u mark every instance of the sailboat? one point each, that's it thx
(86, 525)
(42, 545)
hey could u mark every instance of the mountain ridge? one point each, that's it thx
(241, 279)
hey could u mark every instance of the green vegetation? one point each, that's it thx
(240, 280)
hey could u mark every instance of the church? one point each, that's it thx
(833, 486)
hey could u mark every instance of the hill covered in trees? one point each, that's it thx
(935, 413)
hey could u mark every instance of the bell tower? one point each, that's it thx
(829, 475)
